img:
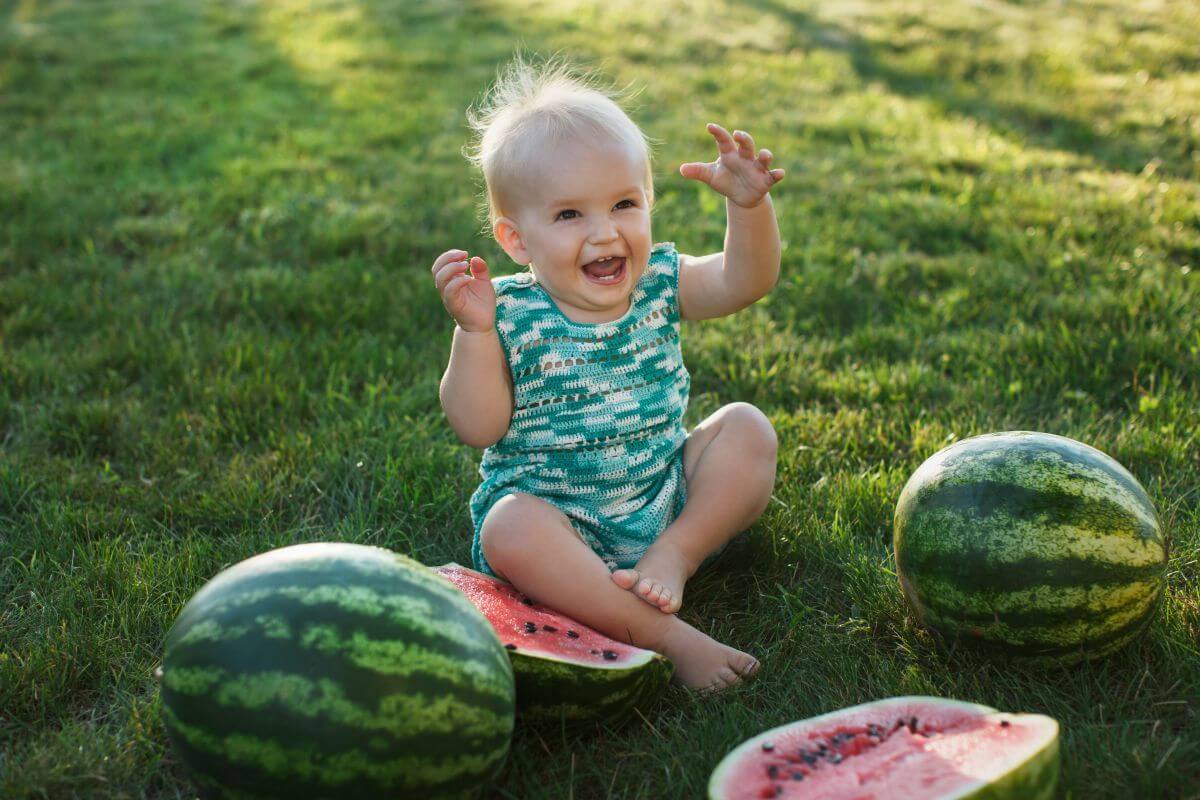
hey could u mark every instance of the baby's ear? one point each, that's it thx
(506, 233)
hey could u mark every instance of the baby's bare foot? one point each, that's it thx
(658, 578)
(702, 662)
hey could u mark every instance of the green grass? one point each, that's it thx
(218, 334)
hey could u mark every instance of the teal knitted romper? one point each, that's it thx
(597, 425)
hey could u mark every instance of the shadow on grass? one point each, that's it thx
(1013, 117)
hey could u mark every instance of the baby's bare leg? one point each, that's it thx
(532, 545)
(729, 464)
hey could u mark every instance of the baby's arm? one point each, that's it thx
(722, 283)
(476, 391)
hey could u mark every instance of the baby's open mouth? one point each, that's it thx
(606, 270)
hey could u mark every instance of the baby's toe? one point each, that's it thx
(672, 604)
(626, 578)
(664, 599)
(748, 667)
(727, 676)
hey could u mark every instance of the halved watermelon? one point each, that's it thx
(563, 669)
(902, 747)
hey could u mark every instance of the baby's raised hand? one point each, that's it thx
(467, 291)
(739, 173)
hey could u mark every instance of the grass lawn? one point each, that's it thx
(218, 335)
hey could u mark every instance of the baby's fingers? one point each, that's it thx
(455, 285)
(764, 158)
(446, 257)
(725, 142)
(745, 144)
(698, 171)
(448, 273)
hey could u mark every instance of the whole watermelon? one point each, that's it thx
(1033, 545)
(336, 671)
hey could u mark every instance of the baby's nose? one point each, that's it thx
(604, 231)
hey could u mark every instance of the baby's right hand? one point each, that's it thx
(467, 291)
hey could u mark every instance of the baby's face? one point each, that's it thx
(584, 224)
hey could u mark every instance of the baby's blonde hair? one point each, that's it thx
(530, 104)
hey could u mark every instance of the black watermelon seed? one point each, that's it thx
(1004, 723)
(809, 758)
(836, 758)
(609, 655)
(595, 652)
(797, 776)
(510, 647)
(767, 747)
(573, 634)
(549, 629)
(773, 772)
(526, 601)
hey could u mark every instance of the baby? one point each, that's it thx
(595, 500)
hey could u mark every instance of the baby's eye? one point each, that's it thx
(625, 204)
(568, 213)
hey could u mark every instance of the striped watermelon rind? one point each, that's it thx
(336, 669)
(1030, 545)
(547, 689)
(556, 685)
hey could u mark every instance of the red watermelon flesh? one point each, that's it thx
(562, 667)
(532, 628)
(905, 747)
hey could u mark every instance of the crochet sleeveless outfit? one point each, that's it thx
(597, 425)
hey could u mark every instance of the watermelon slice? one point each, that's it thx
(903, 747)
(563, 669)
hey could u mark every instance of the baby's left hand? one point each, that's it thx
(738, 173)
